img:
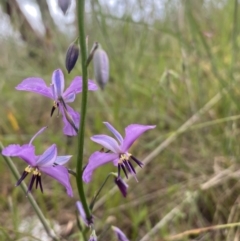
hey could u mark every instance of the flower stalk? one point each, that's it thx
(100, 189)
(82, 42)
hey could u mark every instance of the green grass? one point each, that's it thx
(161, 74)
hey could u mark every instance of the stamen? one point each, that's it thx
(132, 168)
(22, 178)
(124, 170)
(39, 181)
(119, 171)
(125, 163)
(52, 111)
(28, 169)
(137, 161)
(31, 183)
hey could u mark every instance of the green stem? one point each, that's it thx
(82, 41)
(35, 206)
(100, 189)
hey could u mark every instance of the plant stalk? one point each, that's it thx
(83, 47)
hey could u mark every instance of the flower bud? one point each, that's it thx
(101, 67)
(122, 186)
(71, 56)
(93, 236)
(64, 5)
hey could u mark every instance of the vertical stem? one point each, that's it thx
(82, 41)
(31, 199)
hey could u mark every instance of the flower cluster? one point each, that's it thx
(115, 151)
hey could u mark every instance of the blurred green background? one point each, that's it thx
(174, 64)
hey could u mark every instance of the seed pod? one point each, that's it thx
(71, 56)
(101, 67)
(64, 5)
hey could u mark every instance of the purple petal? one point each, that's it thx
(38, 133)
(93, 236)
(61, 160)
(132, 132)
(114, 131)
(70, 98)
(60, 173)
(58, 82)
(68, 129)
(25, 152)
(76, 87)
(108, 142)
(48, 158)
(82, 212)
(36, 85)
(120, 235)
(97, 159)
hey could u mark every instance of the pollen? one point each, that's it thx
(28, 169)
(124, 157)
(36, 172)
(55, 104)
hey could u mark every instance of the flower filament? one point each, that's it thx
(124, 163)
(36, 176)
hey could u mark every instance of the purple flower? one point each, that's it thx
(120, 235)
(56, 92)
(48, 163)
(88, 222)
(119, 154)
(121, 185)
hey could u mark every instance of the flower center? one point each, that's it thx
(35, 171)
(36, 176)
(124, 157)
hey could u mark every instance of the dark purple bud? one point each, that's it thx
(71, 56)
(121, 185)
(101, 67)
(120, 235)
(64, 5)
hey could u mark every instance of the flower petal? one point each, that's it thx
(36, 85)
(120, 235)
(133, 132)
(60, 173)
(76, 87)
(61, 160)
(25, 152)
(70, 98)
(114, 131)
(38, 133)
(108, 142)
(95, 160)
(82, 212)
(48, 158)
(58, 82)
(68, 129)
